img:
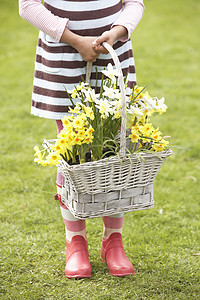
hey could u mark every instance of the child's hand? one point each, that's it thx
(110, 37)
(86, 49)
(83, 44)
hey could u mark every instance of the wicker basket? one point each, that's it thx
(108, 187)
(111, 186)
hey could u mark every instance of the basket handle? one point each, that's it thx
(115, 58)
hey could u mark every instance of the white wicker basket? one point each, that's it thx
(108, 187)
(111, 186)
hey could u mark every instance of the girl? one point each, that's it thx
(71, 33)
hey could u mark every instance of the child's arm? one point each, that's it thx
(130, 16)
(39, 16)
(124, 25)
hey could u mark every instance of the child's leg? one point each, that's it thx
(77, 260)
(73, 226)
(112, 224)
(112, 250)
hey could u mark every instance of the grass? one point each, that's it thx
(160, 242)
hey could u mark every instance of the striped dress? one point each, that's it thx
(59, 66)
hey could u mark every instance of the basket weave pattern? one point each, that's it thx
(109, 186)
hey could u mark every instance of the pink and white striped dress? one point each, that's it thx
(59, 66)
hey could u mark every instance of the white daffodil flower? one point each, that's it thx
(134, 110)
(161, 105)
(150, 102)
(90, 96)
(104, 107)
(111, 73)
(82, 86)
(111, 93)
(145, 106)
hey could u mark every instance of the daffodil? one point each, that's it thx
(156, 134)
(73, 93)
(138, 89)
(89, 113)
(76, 141)
(53, 158)
(41, 162)
(37, 160)
(61, 141)
(89, 131)
(44, 163)
(88, 126)
(104, 107)
(81, 134)
(134, 137)
(90, 95)
(164, 143)
(158, 147)
(70, 139)
(82, 86)
(76, 110)
(37, 152)
(146, 129)
(111, 73)
(78, 122)
(135, 127)
(89, 139)
(134, 110)
(161, 107)
(117, 115)
(62, 134)
(57, 147)
(66, 121)
(111, 92)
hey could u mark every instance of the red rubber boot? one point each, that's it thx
(77, 260)
(112, 252)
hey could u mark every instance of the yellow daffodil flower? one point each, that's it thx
(134, 137)
(78, 122)
(66, 121)
(53, 158)
(89, 139)
(81, 134)
(89, 131)
(89, 113)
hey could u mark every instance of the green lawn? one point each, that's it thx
(160, 242)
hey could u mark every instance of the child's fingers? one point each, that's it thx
(97, 41)
(98, 46)
(101, 49)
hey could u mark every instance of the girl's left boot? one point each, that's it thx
(112, 250)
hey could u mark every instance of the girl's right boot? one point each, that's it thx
(77, 257)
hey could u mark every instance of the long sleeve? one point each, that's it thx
(39, 16)
(130, 16)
